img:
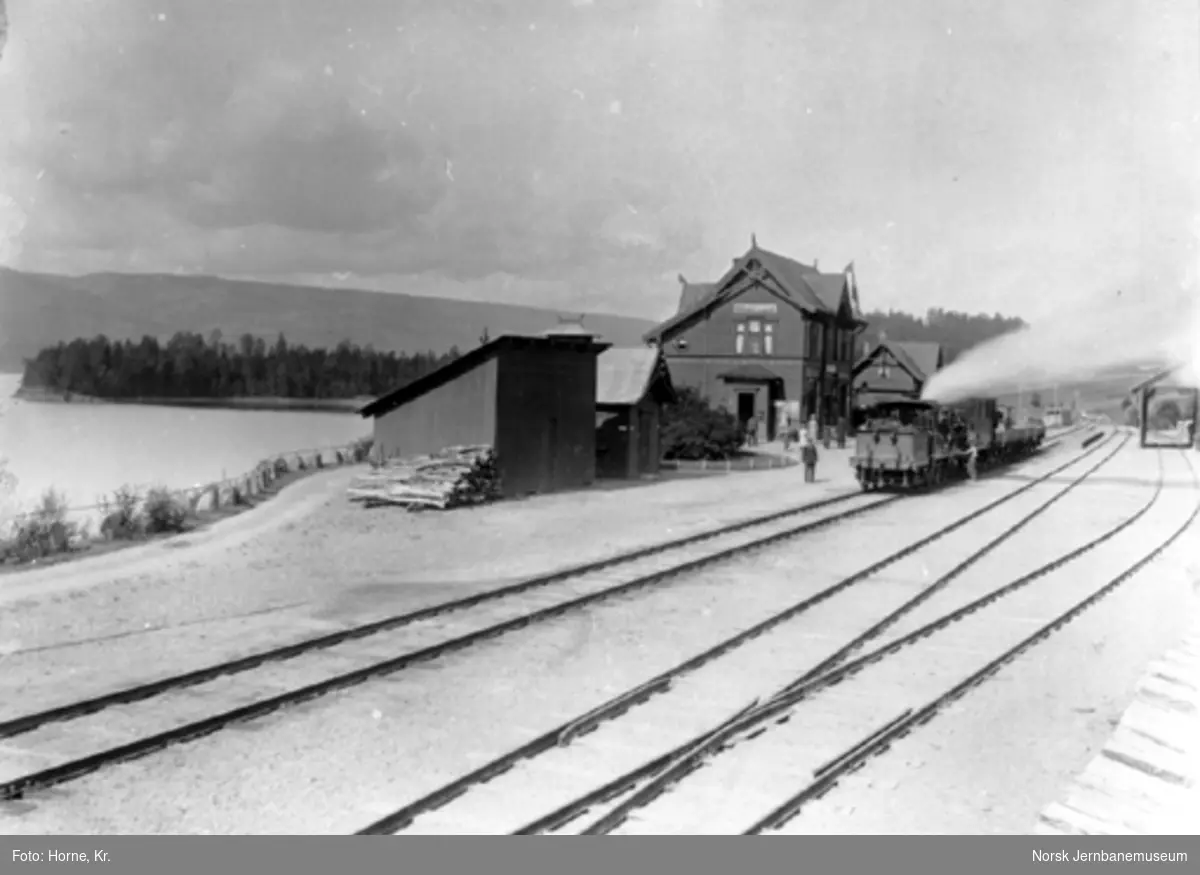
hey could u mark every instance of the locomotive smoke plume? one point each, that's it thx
(1122, 333)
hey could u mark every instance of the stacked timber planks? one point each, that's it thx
(452, 477)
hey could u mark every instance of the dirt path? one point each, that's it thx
(161, 557)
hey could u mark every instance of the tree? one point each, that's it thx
(191, 366)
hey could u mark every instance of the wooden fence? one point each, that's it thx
(234, 490)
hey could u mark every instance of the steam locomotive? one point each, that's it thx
(910, 443)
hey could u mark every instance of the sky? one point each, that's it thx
(1025, 157)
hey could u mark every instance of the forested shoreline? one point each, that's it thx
(251, 372)
(195, 369)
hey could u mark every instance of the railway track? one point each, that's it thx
(797, 738)
(494, 798)
(163, 713)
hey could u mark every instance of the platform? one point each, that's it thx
(1146, 779)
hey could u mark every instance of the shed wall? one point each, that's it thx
(546, 420)
(462, 411)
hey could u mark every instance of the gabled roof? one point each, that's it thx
(793, 275)
(829, 288)
(692, 294)
(802, 285)
(926, 355)
(900, 352)
(469, 362)
(624, 376)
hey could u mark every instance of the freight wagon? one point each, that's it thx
(910, 443)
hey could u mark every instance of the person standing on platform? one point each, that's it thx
(808, 455)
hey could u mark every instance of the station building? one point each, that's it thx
(771, 335)
(895, 369)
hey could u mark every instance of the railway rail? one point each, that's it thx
(173, 718)
(490, 798)
(757, 758)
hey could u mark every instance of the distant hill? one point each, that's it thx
(39, 310)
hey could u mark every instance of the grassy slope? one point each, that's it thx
(38, 310)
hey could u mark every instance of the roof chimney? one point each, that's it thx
(753, 240)
(814, 264)
(682, 280)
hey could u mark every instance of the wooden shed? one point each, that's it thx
(531, 398)
(632, 385)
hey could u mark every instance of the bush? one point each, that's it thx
(43, 532)
(694, 429)
(122, 521)
(165, 512)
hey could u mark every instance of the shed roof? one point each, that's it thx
(625, 375)
(466, 363)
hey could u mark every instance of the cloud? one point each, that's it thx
(446, 138)
(318, 167)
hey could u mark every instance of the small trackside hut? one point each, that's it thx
(632, 385)
(1167, 404)
(532, 399)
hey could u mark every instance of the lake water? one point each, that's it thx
(89, 450)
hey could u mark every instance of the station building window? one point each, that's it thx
(755, 337)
